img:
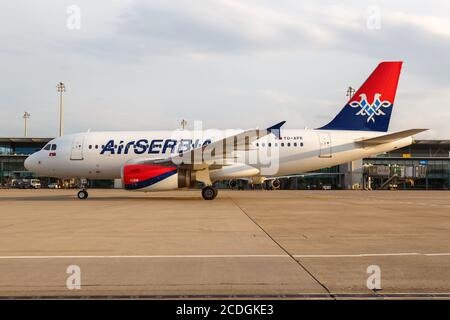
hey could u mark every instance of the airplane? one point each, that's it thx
(168, 160)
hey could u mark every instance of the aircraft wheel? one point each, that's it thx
(82, 194)
(276, 184)
(209, 193)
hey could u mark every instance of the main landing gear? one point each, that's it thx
(82, 194)
(209, 193)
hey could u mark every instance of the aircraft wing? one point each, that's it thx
(390, 137)
(216, 153)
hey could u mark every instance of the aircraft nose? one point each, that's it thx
(30, 163)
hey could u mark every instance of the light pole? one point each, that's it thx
(183, 124)
(61, 89)
(26, 116)
(350, 92)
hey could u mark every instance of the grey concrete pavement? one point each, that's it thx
(243, 243)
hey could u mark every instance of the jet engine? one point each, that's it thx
(155, 177)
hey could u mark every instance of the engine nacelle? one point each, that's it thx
(155, 177)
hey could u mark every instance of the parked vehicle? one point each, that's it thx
(35, 184)
(19, 184)
(54, 186)
(26, 184)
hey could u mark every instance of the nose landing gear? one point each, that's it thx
(83, 194)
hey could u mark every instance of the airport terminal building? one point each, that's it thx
(425, 165)
(13, 152)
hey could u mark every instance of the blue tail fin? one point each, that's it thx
(371, 107)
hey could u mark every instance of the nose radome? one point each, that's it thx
(29, 163)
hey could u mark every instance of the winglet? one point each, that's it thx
(275, 129)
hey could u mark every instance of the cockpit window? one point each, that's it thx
(47, 147)
(53, 146)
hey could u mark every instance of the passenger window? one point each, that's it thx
(96, 146)
(289, 144)
(282, 144)
(301, 144)
(263, 144)
(295, 144)
(90, 146)
(269, 144)
(53, 146)
(47, 147)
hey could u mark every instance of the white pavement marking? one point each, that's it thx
(153, 256)
(232, 256)
(368, 255)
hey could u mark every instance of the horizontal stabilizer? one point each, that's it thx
(391, 137)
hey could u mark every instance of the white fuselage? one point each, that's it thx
(101, 155)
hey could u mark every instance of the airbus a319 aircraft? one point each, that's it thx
(167, 160)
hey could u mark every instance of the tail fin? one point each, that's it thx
(371, 106)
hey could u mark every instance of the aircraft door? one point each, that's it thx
(325, 145)
(77, 148)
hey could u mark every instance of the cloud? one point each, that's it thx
(214, 27)
(147, 64)
(431, 24)
(228, 27)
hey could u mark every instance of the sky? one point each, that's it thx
(146, 65)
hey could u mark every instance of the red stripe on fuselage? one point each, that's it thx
(140, 172)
